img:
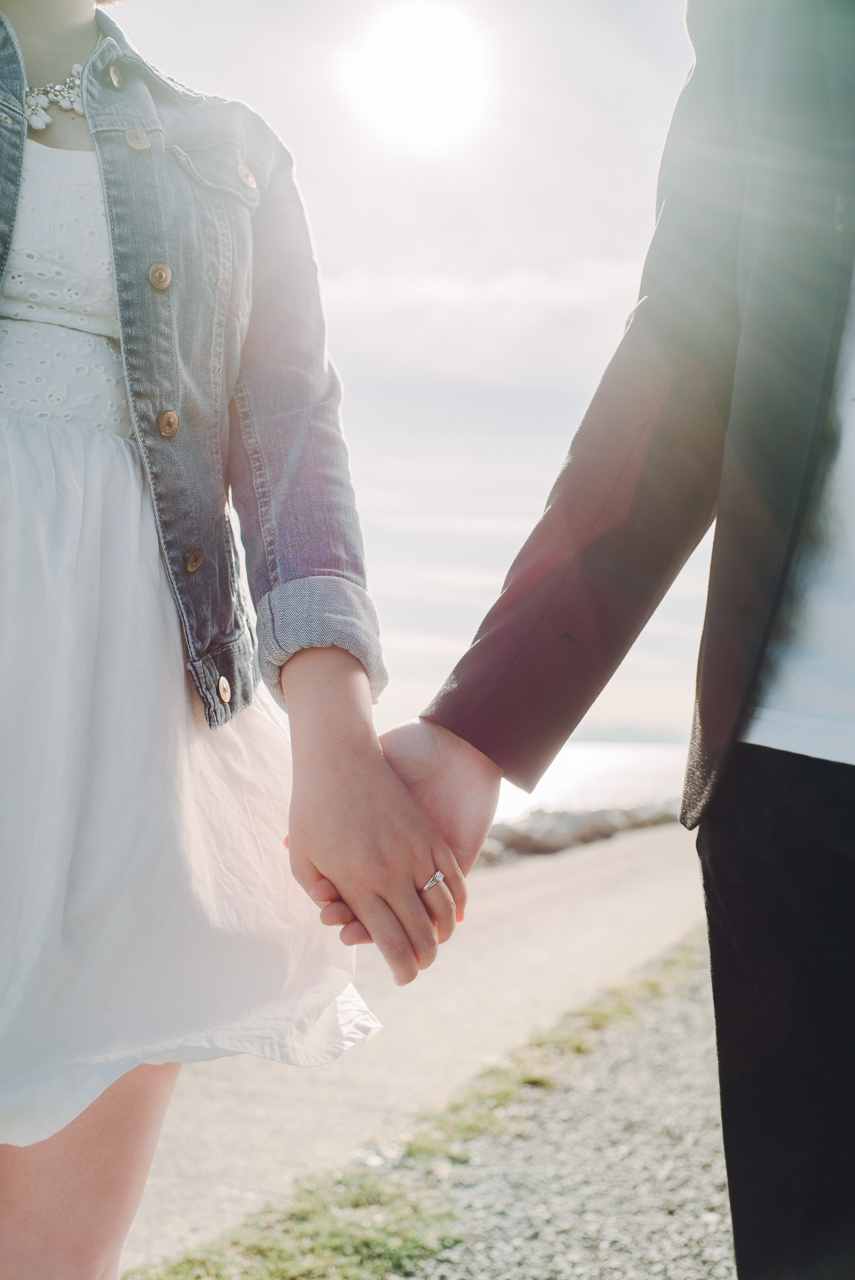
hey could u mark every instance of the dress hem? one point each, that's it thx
(20, 1130)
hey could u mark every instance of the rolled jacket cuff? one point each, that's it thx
(316, 613)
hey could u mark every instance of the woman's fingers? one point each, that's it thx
(453, 879)
(443, 907)
(407, 923)
(396, 943)
(440, 906)
(437, 902)
(416, 919)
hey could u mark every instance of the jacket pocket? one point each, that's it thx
(222, 168)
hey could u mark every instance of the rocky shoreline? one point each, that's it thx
(548, 831)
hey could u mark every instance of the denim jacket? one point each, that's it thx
(232, 396)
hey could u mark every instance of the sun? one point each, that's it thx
(421, 74)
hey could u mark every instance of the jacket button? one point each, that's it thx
(224, 689)
(246, 175)
(116, 77)
(160, 275)
(137, 139)
(167, 424)
(194, 559)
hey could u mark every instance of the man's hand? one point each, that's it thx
(452, 781)
(355, 824)
(455, 786)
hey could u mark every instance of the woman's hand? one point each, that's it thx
(353, 822)
(452, 782)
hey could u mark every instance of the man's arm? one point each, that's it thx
(639, 487)
(635, 496)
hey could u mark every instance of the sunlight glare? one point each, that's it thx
(421, 74)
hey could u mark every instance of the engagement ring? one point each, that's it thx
(436, 878)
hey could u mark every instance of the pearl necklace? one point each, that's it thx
(68, 96)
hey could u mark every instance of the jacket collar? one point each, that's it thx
(13, 77)
(13, 80)
(128, 53)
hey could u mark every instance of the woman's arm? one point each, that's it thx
(352, 819)
(354, 822)
(288, 464)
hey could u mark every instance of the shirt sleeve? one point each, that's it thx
(289, 468)
(639, 487)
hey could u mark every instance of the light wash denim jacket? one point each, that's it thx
(224, 350)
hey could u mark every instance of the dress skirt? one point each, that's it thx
(147, 909)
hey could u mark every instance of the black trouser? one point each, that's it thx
(778, 856)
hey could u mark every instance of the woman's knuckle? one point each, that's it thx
(396, 947)
(426, 943)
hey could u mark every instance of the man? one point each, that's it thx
(731, 396)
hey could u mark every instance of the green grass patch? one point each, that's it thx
(359, 1225)
(352, 1226)
(495, 1100)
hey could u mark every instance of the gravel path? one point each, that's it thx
(542, 935)
(615, 1174)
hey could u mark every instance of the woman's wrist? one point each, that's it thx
(328, 697)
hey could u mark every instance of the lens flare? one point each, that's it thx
(421, 74)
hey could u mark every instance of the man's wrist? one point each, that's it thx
(448, 740)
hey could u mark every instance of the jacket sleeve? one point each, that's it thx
(288, 461)
(639, 486)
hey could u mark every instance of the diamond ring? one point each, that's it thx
(436, 878)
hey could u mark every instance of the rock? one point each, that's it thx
(494, 853)
(551, 831)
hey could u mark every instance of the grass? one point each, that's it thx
(351, 1226)
(496, 1101)
(362, 1225)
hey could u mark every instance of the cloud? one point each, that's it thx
(551, 329)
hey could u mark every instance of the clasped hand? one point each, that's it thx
(371, 824)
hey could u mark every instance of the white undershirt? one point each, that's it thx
(809, 705)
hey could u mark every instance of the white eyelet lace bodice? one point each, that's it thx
(59, 330)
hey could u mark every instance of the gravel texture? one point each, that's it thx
(616, 1173)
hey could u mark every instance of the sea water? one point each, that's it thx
(603, 775)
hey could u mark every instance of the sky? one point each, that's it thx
(480, 178)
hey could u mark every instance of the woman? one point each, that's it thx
(162, 348)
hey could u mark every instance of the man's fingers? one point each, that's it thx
(323, 892)
(355, 934)
(304, 872)
(337, 913)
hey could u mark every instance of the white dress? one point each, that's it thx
(147, 910)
